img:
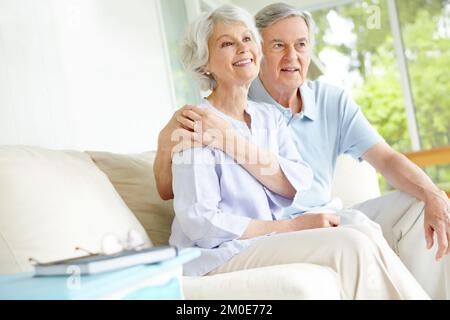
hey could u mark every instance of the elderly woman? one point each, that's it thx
(228, 199)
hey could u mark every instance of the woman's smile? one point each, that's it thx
(243, 62)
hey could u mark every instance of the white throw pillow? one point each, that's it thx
(354, 182)
(54, 201)
(132, 176)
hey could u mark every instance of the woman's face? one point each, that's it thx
(287, 54)
(234, 55)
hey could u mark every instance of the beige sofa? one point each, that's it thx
(53, 201)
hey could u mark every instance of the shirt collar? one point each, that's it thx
(259, 93)
(249, 109)
(308, 100)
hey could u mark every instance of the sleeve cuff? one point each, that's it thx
(235, 225)
(365, 145)
(299, 175)
(224, 227)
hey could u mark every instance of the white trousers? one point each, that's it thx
(401, 218)
(365, 264)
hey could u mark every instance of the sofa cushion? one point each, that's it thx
(53, 201)
(132, 176)
(287, 281)
(354, 181)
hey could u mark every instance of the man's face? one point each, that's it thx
(286, 54)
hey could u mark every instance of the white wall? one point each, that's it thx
(83, 74)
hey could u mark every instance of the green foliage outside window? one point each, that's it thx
(425, 27)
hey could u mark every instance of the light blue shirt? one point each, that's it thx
(330, 124)
(215, 198)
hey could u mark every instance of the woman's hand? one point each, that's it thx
(313, 221)
(209, 129)
(306, 221)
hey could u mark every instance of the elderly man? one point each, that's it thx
(325, 122)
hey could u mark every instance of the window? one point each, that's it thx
(355, 42)
(425, 26)
(176, 15)
(360, 56)
(175, 21)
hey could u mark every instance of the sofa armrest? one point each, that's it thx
(288, 281)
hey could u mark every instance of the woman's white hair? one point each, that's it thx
(194, 48)
(272, 13)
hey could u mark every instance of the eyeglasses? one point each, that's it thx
(112, 244)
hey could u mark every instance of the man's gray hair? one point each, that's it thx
(272, 13)
(194, 47)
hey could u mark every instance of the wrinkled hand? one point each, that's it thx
(437, 220)
(209, 129)
(314, 221)
(175, 136)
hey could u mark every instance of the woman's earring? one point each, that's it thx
(207, 73)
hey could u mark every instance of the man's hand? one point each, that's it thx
(437, 221)
(177, 136)
(404, 175)
(209, 129)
